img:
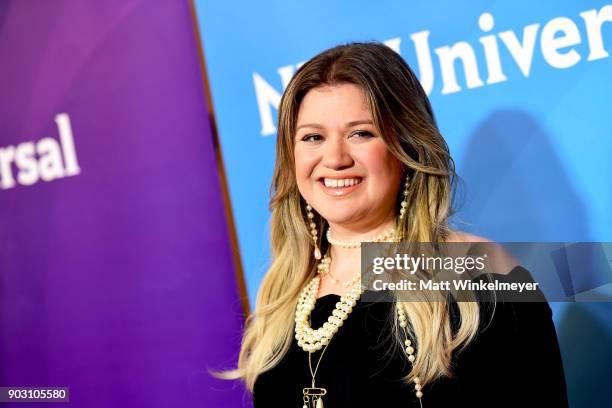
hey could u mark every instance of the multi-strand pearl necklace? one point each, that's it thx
(385, 236)
(311, 340)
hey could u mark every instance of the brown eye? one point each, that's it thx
(363, 134)
(311, 138)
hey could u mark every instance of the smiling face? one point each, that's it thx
(344, 169)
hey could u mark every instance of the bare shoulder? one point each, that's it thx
(499, 259)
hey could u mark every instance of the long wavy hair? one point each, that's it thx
(403, 115)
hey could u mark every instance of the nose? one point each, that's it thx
(336, 155)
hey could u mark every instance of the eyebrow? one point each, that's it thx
(348, 124)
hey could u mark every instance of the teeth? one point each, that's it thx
(341, 182)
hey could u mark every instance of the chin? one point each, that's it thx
(334, 216)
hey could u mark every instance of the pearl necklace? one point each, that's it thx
(357, 244)
(311, 340)
(403, 322)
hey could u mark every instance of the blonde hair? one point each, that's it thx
(402, 113)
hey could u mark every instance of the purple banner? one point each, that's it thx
(116, 272)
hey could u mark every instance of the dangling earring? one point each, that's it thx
(404, 203)
(313, 231)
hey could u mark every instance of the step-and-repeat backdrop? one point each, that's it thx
(521, 91)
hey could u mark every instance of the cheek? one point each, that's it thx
(380, 162)
(383, 169)
(304, 166)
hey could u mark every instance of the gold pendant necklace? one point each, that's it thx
(313, 396)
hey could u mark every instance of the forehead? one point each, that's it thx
(331, 105)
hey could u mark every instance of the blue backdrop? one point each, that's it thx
(525, 109)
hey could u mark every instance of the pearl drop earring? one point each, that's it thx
(313, 231)
(404, 203)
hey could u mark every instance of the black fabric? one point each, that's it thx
(513, 362)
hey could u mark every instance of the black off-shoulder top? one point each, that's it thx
(514, 361)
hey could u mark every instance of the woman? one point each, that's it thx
(360, 158)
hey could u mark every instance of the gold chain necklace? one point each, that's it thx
(313, 396)
(323, 270)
